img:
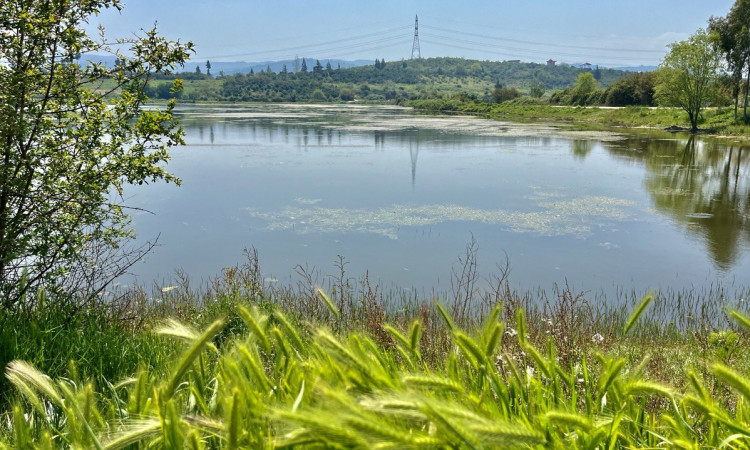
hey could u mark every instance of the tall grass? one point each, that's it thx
(284, 384)
(236, 363)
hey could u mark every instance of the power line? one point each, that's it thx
(517, 41)
(299, 47)
(504, 54)
(524, 50)
(542, 32)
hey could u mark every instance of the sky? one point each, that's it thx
(605, 32)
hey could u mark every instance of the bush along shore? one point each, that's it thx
(717, 121)
(238, 364)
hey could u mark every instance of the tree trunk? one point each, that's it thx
(736, 93)
(693, 122)
(747, 86)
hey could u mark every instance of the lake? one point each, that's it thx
(400, 196)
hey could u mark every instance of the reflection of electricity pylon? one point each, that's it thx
(414, 153)
(415, 46)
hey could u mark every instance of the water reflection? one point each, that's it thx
(702, 185)
(414, 154)
(540, 196)
(581, 148)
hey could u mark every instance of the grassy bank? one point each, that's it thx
(239, 364)
(719, 121)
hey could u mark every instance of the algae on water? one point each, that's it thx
(574, 217)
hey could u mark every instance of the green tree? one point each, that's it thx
(633, 89)
(537, 90)
(688, 75)
(318, 67)
(585, 85)
(197, 69)
(733, 40)
(597, 74)
(329, 69)
(208, 68)
(304, 66)
(504, 94)
(68, 149)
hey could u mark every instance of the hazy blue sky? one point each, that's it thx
(607, 32)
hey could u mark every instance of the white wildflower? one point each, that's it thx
(511, 332)
(597, 338)
(168, 288)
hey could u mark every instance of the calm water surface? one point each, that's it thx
(401, 195)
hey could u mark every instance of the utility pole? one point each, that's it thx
(415, 46)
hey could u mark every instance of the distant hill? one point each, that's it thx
(636, 68)
(233, 67)
(244, 67)
(507, 73)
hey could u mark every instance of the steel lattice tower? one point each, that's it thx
(415, 46)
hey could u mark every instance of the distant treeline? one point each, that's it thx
(385, 81)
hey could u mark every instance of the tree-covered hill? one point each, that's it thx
(514, 74)
(391, 81)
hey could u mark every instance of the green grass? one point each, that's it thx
(719, 121)
(235, 363)
(277, 382)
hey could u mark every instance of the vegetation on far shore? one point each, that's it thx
(719, 121)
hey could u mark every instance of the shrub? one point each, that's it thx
(500, 95)
(635, 89)
(346, 94)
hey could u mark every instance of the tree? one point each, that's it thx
(68, 148)
(329, 69)
(537, 90)
(688, 75)
(284, 70)
(504, 94)
(197, 69)
(208, 68)
(633, 89)
(597, 74)
(318, 67)
(304, 66)
(585, 85)
(733, 41)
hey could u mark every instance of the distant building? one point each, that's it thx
(586, 66)
(551, 63)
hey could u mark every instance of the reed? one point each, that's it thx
(283, 383)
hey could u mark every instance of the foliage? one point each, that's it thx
(500, 95)
(279, 383)
(733, 41)
(718, 121)
(688, 75)
(393, 83)
(68, 149)
(583, 88)
(537, 90)
(635, 89)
